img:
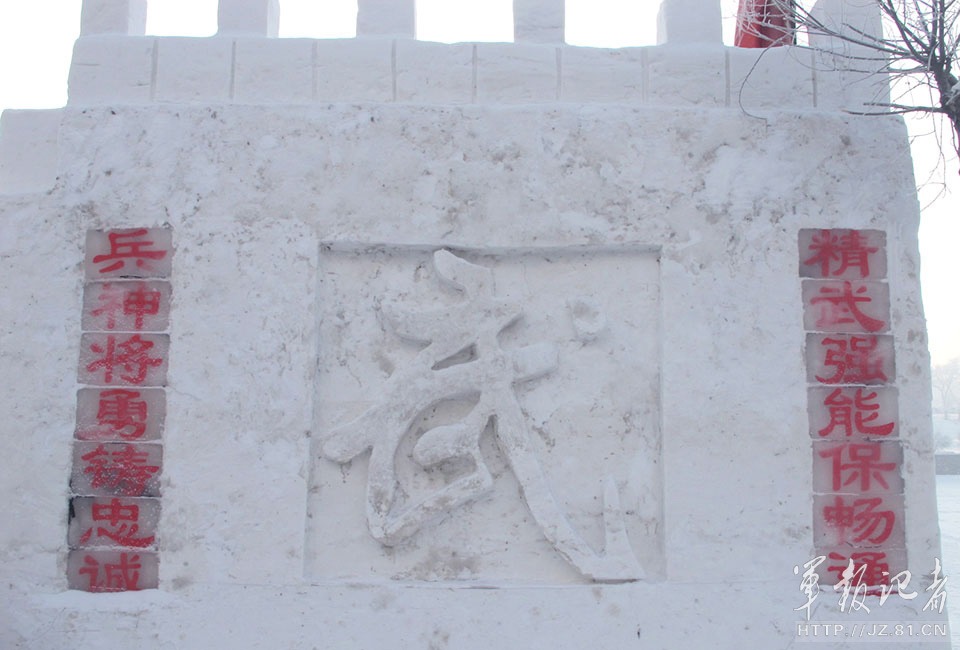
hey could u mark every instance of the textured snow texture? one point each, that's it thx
(713, 199)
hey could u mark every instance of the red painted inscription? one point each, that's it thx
(126, 299)
(859, 467)
(130, 357)
(117, 521)
(859, 521)
(857, 414)
(852, 360)
(840, 307)
(128, 246)
(121, 576)
(120, 469)
(835, 253)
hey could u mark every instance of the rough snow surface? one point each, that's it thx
(658, 242)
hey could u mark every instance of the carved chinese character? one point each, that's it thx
(462, 358)
(126, 306)
(113, 522)
(853, 359)
(842, 253)
(120, 359)
(136, 253)
(106, 571)
(853, 412)
(845, 306)
(120, 469)
(857, 467)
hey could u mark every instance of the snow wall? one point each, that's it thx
(525, 344)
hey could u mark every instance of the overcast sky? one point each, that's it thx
(36, 39)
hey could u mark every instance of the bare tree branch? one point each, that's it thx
(919, 43)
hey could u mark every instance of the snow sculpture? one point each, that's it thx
(464, 360)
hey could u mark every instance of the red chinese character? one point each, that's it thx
(118, 577)
(115, 513)
(850, 250)
(124, 471)
(130, 355)
(869, 568)
(864, 464)
(861, 519)
(119, 409)
(838, 515)
(137, 302)
(859, 364)
(142, 302)
(839, 307)
(841, 409)
(121, 250)
(111, 299)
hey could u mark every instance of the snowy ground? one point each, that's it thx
(948, 499)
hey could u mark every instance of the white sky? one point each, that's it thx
(36, 40)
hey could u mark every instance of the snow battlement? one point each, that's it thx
(115, 63)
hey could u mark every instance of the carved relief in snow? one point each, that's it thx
(485, 369)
